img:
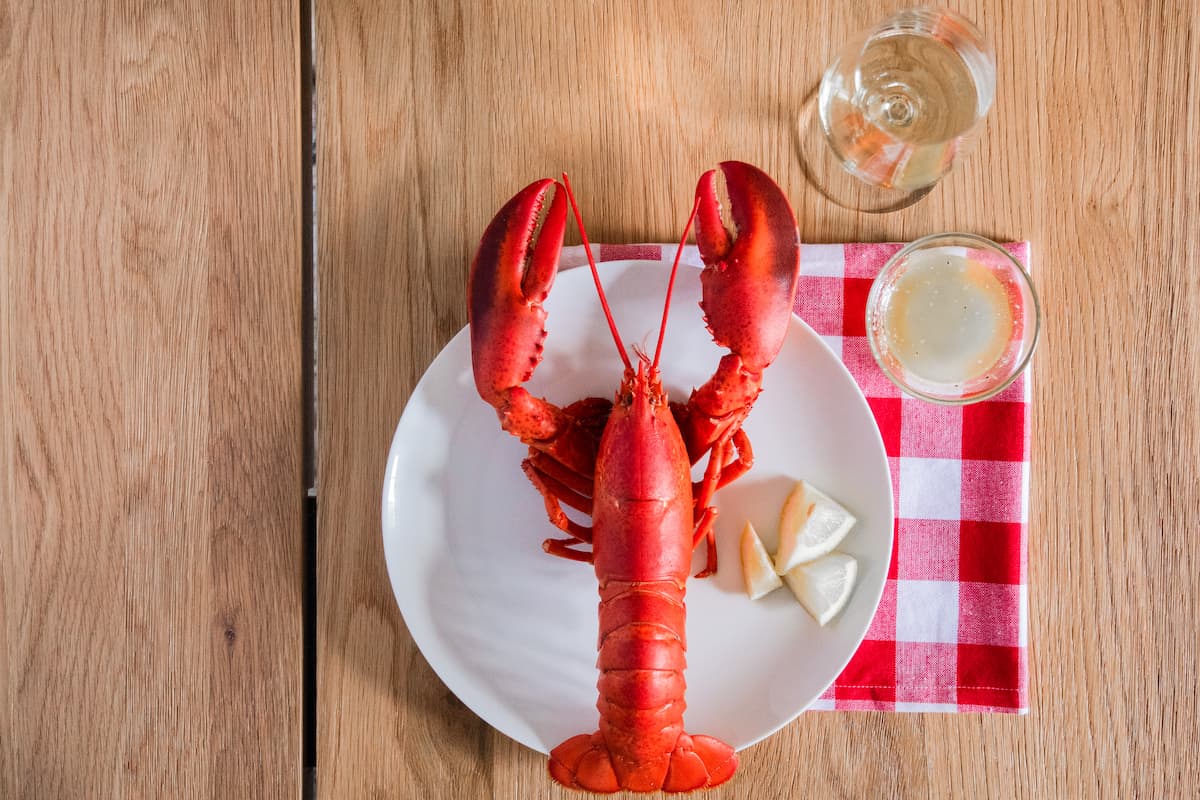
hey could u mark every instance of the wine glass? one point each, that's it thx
(899, 105)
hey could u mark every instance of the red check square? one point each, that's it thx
(990, 677)
(630, 252)
(990, 552)
(992, 491)
(927, 549)
(883, 626)
(989, 613)
(993, 431)
(871, 704)
(1015, 393)
(894, 564)
(888, 416)
(856, 355)
(894, 471)
(865, 260)
(871, 673)
(855, 306)
(819, 302)
(932, 431)
(926, 672)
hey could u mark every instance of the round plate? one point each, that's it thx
(512, 631)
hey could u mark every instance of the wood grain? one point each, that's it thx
(150, 400)
(431, 115)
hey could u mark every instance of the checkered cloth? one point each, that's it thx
(951, 632)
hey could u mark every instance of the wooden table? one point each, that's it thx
(153, 303)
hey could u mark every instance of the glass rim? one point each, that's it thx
(926, 16)
(1026, 281)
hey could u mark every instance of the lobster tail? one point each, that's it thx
(641, 744)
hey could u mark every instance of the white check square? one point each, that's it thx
(823, 261)
(937, 708)
(930, 488)
(927, 611)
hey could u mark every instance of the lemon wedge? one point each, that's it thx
(757, 569)
(810, 525)
(823, 586)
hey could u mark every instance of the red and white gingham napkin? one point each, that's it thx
(951, 631)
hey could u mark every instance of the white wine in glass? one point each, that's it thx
(904, 100)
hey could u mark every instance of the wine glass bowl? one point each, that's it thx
(899, 105)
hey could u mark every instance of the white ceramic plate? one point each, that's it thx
(512, 631)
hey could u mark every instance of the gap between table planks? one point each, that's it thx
(432, 115)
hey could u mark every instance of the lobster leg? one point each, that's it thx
(745, 459)
(720, 472)
(562, 548)
(560, 482)
(554, 492)
(550, 494)
(707, 513)
(552, 487)
(704, 532)
(549, 467)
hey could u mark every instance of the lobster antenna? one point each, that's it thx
(587, 248)
(662, 331)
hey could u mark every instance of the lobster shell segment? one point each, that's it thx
(646, 644)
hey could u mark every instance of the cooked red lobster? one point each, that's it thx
(627, 462)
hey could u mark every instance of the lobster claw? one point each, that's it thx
(749, 281)
(748, 284)
(511, 276)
